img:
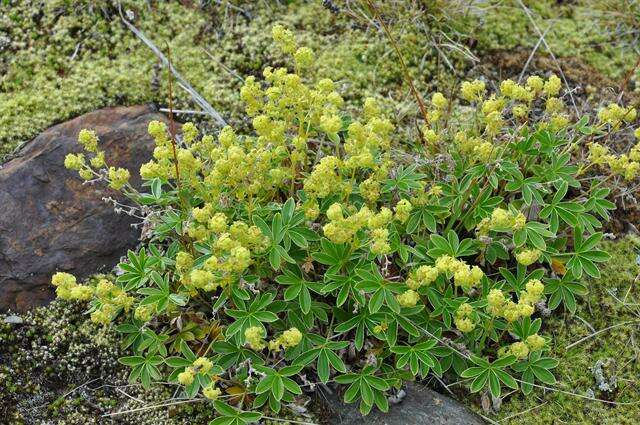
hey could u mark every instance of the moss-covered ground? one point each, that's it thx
(61, 58)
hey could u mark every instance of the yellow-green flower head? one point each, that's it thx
(152, 169)
(426, 275)
(439, 101)
(558, 122)
(519, 221)
(493, 104)
(118, 177)
(103, 315)
(520, 111)
(408, 298)
(284, 39)
(552, 86)
(98, 160)
(74, 161)
(239, 259)
(202, 214)
(446, 264)
(535, 342)
(144, 312)
(535, 84)
(303, 57)
(430, 136)
(370, 189)
(324, 178)
(511, 312)
(473, 90)
(528, 256)
(636, 133)
(202, 364)
(634, 153)
(290, 338)
(435, 190)
(158, 130)
(464, 324)
(186, 378)
(325, 85)
(63, 279)
(494, 122)
(218, 223)
(330, 124)
(464, 310)
(104, 288)
(614, 114)
(495, 302)
(227, 136)
(211, 392)
(184, 261)
(403, 209)
(501, 219)
(201, 278)
(371, 108)
(554, 105)
(535, 287)
(334, 212)
(80, 292)
(189, 132)
(254, 337)
(519, 349)
(380, 238)
(88, 139)
(525, 309)
(85, 174)
(598, 154)
(380, 219)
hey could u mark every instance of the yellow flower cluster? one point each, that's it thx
(534, 289)
(464, 275)
(187, 377)
(614, 115)
(289, 338)
(67, 287)
(464, 318)
(502, 220)
(498, 304)
(211, 392)
(254, 336)
(527, 257)
(521, 349)
(422, 276)
(118, 177)
(626, 165)
(403, 209)
(473, 90)
(408, 298)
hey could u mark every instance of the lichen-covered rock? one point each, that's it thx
(420, 406)
(50, 221)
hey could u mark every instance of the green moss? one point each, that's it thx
(599, 33)
(617, 348)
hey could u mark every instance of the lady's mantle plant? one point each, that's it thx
(317, 249)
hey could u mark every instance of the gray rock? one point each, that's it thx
(50, 221)
(13, 320)
(420, 406)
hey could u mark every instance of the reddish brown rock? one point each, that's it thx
(50, 221)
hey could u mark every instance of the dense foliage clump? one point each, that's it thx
(319, 248)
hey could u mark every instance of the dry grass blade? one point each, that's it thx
(181, 80)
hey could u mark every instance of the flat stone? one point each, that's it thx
(420, 406)
(50, 221)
